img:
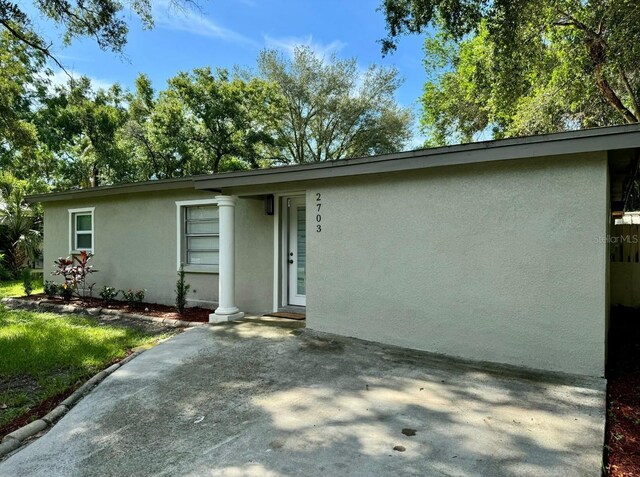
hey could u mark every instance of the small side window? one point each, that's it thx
(81, 229)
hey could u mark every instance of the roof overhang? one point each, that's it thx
(103, 191)
(625, 139)
(574, 142)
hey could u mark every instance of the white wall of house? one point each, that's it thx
(498, 262)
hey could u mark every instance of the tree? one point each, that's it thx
(20, 223)
(23, 84)
(102, 20)
(156, 133)
(81, 126)
(332, 110)
(230, 118)
(522, 66)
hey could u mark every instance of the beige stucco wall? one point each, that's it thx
(135, 247)
(497, 262)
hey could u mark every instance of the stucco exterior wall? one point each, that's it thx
(135, 243)
(254, 256)
(135, 247)
(495, 262)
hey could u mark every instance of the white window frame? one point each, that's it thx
(73, 249)
(181, 206)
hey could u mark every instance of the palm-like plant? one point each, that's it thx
(20, 226)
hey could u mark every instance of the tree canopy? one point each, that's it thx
(331, 109)
(101, 20)
(516, 67)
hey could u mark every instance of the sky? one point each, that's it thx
(225, 33)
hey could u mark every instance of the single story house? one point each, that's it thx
(494, 251)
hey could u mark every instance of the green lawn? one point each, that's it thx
(43, 354)
(15, 288)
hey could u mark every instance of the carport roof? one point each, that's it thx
(621, 142)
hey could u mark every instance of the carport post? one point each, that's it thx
(227, 310)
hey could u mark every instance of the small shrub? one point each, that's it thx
(5, 273)
(51, 289)
(108, 294)
(66, 292)
(140, 295)
(133, 298)
(75, 270)
(181, 290)
(27, 281)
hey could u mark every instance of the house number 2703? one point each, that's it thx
(318, 211)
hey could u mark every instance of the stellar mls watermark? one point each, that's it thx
(616, 239)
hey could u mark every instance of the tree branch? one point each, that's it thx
(634, 98)
(44, 50)
(611, 96)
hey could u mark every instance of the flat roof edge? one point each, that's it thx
(131, 188)
(490, 151)
(564, 143)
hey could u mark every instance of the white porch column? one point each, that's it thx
(227, 310)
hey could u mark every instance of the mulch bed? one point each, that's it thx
(196, 314)
(622, 449)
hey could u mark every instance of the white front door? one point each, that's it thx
(296, 259)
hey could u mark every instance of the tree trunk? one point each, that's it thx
(612, 97)
(597, 53)
(95, 176)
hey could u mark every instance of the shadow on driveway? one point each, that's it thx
(264, 399)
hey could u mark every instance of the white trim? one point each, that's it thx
(276, 252)
(83, 210)
(180, 204)
(294, 298)
(279, 244)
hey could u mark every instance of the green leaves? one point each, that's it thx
(505, 68)
(229, 117)
(332, 109)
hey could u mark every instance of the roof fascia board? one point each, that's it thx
(423, 159)
(150, 186)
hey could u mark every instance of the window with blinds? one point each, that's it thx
(201, 236)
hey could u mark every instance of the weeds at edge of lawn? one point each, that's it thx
(42, 355)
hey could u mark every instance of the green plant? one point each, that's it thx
(133, 298)
(51, 289)
(66, 292)
(108, 294)
(20, 224)
(27, 280)
(75, 270)
(181, 290)
(5, 274)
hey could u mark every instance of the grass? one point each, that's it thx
(43, 355)
(14, 288)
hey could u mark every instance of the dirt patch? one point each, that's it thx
(23, 382)
(195, 314)
(38, 412)
(622, 449)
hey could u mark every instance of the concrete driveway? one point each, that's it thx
(262, 399)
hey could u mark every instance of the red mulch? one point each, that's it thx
(622, 448)
(149, 309)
